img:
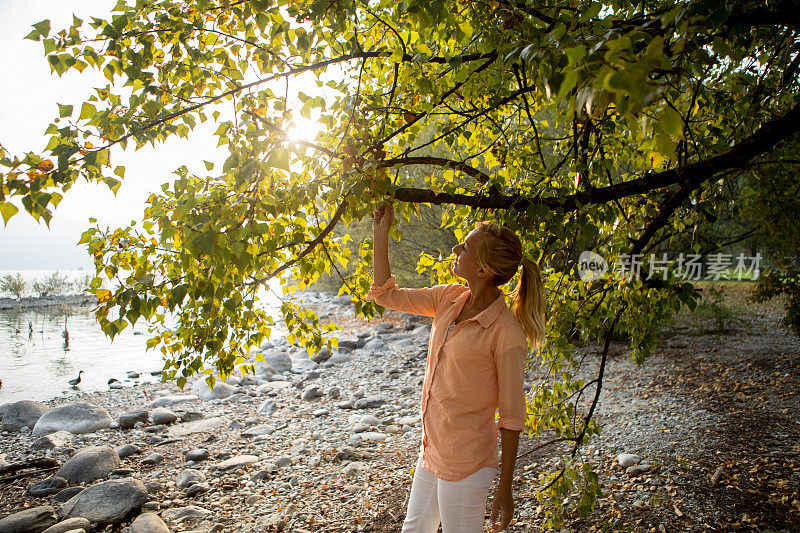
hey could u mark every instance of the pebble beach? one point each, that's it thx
(328, 444)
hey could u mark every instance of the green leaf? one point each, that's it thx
(8, 210)
(671, 122)
(279, 158)
(575, 54)
(87, 111)
(64, 110)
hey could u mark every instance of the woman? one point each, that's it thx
(475, 365)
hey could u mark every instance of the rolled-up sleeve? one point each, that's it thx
(510, 357)
(415, 301)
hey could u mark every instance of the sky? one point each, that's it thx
(28, 99)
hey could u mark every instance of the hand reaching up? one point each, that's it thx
(382, 220)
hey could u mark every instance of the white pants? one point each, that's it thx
(459, 505)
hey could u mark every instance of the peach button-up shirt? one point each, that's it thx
(471, 372)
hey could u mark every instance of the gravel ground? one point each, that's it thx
(706, 402)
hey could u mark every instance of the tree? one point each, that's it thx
(610, 126)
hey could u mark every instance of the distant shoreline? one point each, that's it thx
(46, 301)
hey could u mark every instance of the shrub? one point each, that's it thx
(13, 284)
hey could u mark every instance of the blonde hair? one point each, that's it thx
(500, 254)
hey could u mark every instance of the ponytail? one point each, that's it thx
(528, 303)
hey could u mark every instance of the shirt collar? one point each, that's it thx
(486, 317)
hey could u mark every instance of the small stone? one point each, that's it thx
(173, 400)
(240, 461)
(183, 513)
(153, 459)
(47, 487)
(191, 416)
(53, 440)
(638, 470)
(66, 494)
(162, 415)
(354, 468)
(267, 408)
(353, 489)
(70, 524)
(392, 429)
(310, 392)
(126, 450)
(189, 477)
(197, 489)
(369, 402)
(128, 419)
(257, 431)
(255, 498)
(372, 435)
(360, 427)
(628, 459)
(321, 412)
(345, 405)
(198, 455)
(149, 523)
(282, 462)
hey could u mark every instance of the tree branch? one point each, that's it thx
(739, 156)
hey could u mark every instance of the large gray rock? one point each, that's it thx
(106, 502)
(220, 390)
(31, 520)
(128, 419)
(70, 524)
(278, 360)
(22, 414)
(149, 523)
(89, 464)
(75, 417)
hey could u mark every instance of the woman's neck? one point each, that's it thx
(482, 296)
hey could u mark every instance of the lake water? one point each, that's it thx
(36, 363)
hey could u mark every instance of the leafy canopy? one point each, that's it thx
(611, 126)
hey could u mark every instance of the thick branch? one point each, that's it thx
(739, 156)
(436, 161)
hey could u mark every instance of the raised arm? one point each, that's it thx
(381, 222)
(384, 288)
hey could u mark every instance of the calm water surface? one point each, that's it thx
(36, 363)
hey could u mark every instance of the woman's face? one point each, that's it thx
(465, 264)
